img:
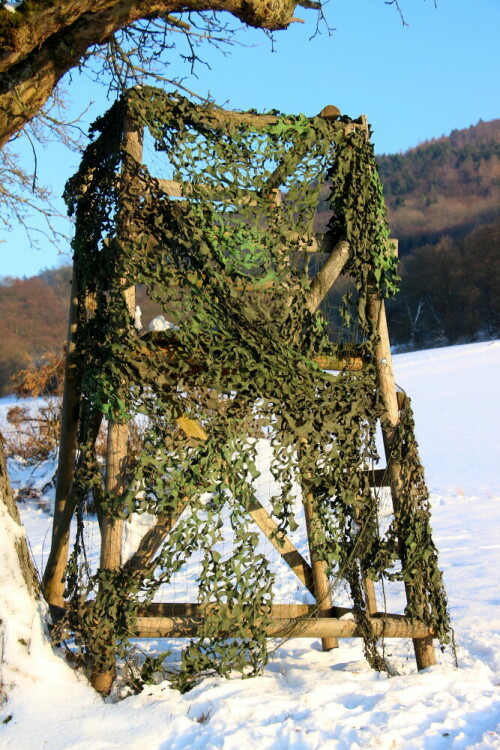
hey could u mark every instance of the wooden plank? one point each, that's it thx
(287, 550)
(320, 627)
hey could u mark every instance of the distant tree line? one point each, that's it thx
(450, 291)
(448, 185)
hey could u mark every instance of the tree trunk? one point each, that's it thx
(38, 46)
(23, 554)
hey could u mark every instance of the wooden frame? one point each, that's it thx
(323, 620)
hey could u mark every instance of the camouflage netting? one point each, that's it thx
(227, 266)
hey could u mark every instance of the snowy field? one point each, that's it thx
(308, 699)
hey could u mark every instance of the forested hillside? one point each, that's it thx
(448, 185)
(443, 199)
(449, 291)
(33, 319)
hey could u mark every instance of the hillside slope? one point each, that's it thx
(33, 319)
(446, 186)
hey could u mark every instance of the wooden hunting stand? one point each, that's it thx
(182, 620)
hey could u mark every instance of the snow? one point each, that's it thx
(138, 318)
(307, 699)
(160, 324)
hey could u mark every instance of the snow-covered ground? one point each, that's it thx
(308, 699)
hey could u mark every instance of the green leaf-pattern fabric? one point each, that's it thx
(219, 264)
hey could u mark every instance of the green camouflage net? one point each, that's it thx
(228, 264)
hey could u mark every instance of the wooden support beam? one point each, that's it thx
(383, 359)
(57, 560)
(172, 188)
(370, 596)
(154, 537)
(167, 342)
(377, 477)
(424, 650)
(368, 585)
(53, 586)
(216, 193)
(327, 276)
(115, 483)
(330, 362)
(325, 628)
(217, 117)
(116, 449)
(287, 550)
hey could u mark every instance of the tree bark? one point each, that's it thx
(23, 554)
(39, 45)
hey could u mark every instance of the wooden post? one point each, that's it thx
(112, 528)
(371, 599)
(116, 448)
(368, 585)
(53, 586)
(319, 570)
(424, 650)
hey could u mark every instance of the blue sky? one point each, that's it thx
(414, 83)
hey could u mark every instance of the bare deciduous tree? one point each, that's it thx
(41, 40)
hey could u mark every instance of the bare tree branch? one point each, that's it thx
(41, 45)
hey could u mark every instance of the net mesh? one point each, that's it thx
(252, 403)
